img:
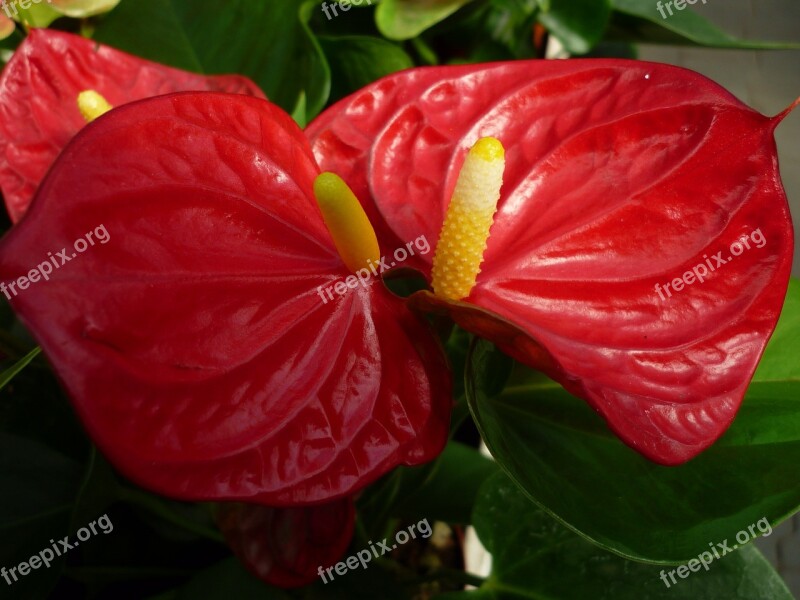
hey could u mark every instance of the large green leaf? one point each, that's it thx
(405, 19)
(357, 61)
(640, 20)
(270, 42)
(563, 455)
(578, 24)
(448, 493)
(537, 558)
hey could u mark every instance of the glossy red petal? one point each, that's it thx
(286, 547)
(620, 175)
(38, 100)
(194, 342)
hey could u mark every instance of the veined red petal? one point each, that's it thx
(621, 176)
(194, 341)
(286, 547)
(39, 88)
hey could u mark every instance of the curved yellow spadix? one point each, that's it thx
(469, 217)
(349, 225)
(92, 105)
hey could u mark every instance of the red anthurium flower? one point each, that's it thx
(184, 319)
(642, 247)
(39, 89)
(206, 362)
(288, 547)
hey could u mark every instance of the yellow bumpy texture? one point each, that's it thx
(92, 105)
(469, 217)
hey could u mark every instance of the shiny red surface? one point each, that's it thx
(194, 343)
(621, 175)
(39, 88)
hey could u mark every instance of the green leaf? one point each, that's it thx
(510, 23)
(405, 19)
(564, 456)
(9, 374)
(80, 9)
(578, 24)
(443, 490)
(779, 362)
(449, 491)
(38, 15)
(534, 557)
(357, 61)
(270, 42)
(640, 20)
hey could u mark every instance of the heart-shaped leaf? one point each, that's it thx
(559, 451)
(626, 182)
(187, 316)
(38, 100)
(534, 557)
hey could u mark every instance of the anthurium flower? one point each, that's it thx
(206, 364)
(39, 88)
(642, 244)
(192, 337)
(288, 547)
